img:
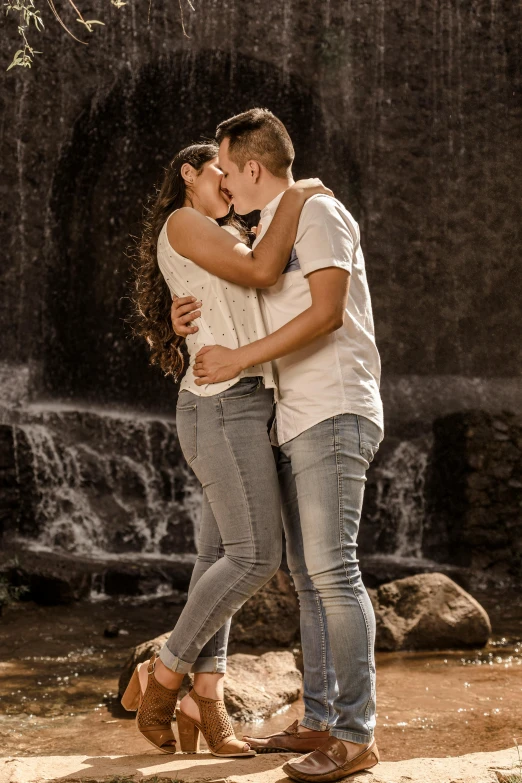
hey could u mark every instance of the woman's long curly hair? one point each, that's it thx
(152, 299)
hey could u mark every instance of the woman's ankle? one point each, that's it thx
(166, 676)
(209, 685)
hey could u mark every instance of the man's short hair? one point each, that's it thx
(259, 135)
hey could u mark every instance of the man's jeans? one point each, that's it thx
(322, 473)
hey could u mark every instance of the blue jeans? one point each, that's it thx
(224, 438)
(322, 473)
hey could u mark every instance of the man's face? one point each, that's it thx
(239, 185)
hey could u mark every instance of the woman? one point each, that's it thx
(223, 432)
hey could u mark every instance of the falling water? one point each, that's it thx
(21, 192)
(399, 502)
(104, 485)
(107, 484)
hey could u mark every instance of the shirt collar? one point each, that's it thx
(270, 209)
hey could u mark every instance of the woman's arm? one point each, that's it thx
(220, 253)
(329, 288)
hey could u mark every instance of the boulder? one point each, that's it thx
(428, 611)
(256, 686)
(270, 618)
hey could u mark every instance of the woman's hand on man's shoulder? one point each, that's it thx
(305, 188)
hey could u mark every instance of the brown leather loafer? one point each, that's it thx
(330, 762)
(288, 740)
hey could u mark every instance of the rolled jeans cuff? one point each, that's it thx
(315, 725)
(215, 664)
(351, 736)
(174, 663)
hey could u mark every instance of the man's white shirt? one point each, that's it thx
(340, 372)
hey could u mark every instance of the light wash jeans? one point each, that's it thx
(322, 474)
(225, 440)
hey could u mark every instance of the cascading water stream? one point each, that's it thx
(105, 486)
(404, 504)
(395, 506)
(109, 486)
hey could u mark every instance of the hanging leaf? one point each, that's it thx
(16, 59)
(28, 12)
(89, 22)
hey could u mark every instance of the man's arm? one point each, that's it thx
(183, 312)
(329, 288)
(220, 253)
(325, 246)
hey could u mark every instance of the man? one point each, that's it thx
(328, 427)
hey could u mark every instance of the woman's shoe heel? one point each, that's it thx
(189, 734)
(219, 732)
(154, 708)
(131, 698)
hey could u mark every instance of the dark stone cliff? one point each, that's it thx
(409, 111)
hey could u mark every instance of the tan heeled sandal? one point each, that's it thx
(215, 726)
(154, 708)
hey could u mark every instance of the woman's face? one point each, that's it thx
(207, 190)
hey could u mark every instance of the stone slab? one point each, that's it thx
(204, 768)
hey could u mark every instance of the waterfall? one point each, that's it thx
(106, 485)
(64, 515)
(397, 501)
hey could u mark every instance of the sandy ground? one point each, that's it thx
(60, 718)
(58, 688)
(185, 768)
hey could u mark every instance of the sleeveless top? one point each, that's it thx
(230, 313)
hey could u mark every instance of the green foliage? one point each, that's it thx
(89, 22)
(8, 593)
(27, 13)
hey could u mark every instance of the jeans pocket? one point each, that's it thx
(187, 427)
(368, 451)
(370, 437)
(243, 388)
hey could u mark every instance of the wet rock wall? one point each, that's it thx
(474, 492)
(409, 111)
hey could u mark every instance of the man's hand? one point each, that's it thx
(214, 364)
(183, 311)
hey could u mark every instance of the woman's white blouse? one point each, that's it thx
(230, 314)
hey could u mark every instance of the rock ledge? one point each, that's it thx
(204, 768)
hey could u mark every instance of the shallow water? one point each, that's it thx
(59, 674)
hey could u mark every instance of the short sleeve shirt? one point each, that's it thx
(340, 372)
